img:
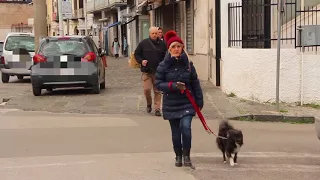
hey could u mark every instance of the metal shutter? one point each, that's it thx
(189, 36)
(158, 17)
(177, 22)
(133, 36)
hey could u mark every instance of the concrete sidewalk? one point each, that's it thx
(124, 95)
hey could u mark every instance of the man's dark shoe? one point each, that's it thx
(178, 162)
(157, 112)
(149, 109)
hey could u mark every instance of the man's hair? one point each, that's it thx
(152, 28)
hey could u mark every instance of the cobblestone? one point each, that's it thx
(123, 95)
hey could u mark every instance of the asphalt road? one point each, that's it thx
(40, 145)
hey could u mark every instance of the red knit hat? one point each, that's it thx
(170, 37)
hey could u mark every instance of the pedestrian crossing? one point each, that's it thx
(160, 166)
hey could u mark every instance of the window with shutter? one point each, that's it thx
(177, 21)
(189, 26)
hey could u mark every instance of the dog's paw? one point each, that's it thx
(224, 162)
(231, 162)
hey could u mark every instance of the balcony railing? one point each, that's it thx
(95, 5)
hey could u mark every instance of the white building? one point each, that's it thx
(239, 54)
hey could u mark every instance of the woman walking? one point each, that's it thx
(174, 75)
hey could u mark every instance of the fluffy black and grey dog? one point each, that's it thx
(232, 143)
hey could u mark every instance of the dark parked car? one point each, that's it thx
(69, 61)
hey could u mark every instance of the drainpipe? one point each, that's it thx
(128, 32)
(208, 42)
(119, 31)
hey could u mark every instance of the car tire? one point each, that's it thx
(36, 91)
(5, 78)
(20, 77)
(103, 85)
(96, 89)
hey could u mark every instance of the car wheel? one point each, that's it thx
(5, 78)
(96, 89)
(36, 91)
(20, 77)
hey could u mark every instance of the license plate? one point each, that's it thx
(67, 71)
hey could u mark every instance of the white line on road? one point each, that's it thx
(263, 155)
(262, 167)
(47, 165)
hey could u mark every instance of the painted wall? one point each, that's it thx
(201, 36)
(12, 13)
(251, 73)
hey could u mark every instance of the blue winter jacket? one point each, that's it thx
(175, 104)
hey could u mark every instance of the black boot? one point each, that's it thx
(178, 162)
(186, 158)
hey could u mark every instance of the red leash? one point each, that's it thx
(197, 109)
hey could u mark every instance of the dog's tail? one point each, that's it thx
(225, 126)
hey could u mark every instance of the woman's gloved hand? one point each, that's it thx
(181, 86)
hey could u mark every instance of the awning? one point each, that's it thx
(112, 25)
(141, 4)
(130, 20)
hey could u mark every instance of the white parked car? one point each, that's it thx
(16, 60)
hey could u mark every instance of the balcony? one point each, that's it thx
(97, 5)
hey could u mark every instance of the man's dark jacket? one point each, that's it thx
(154, 54)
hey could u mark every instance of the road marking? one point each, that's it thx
(47, 165)
(4, 111)
(139, 102)
(261, 167)
(32, 122)
(262, 155)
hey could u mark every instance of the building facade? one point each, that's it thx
(195, 22)
(249, 50)
(14, 17)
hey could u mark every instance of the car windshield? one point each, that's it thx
(25, 42)
(64, 47)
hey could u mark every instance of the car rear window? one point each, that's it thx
(1, 46)
(64, 47)
(25, 42)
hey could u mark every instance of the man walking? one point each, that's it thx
(149, 53)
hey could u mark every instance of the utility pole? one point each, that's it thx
(40, 21)
(61, 32)
(85, 17)
(278, 54)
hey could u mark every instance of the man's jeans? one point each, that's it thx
(181, 127)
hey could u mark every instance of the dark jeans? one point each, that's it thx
(181, 127)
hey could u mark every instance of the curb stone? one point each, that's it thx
(276, 118)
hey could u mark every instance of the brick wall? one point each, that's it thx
(13, 13)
